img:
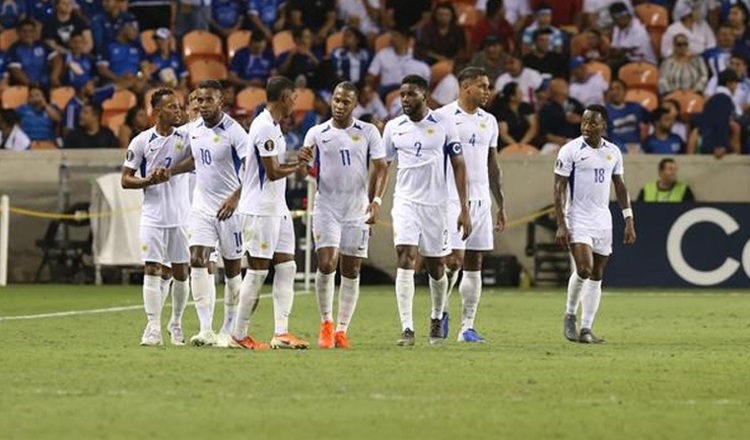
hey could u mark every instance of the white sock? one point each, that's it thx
(438, 291)
(164, 288)
(324, 287)
(471, 291)
(452, 279)
(249, 294)
(283, 295)
(212, 292)
(231, 299)
(405, 297)
(348, 296)
(592, 294)
(152, 299)
(180, 291)
(200, 286)
(575, 286)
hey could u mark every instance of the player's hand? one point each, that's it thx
(464, 223)
(305, 155)
(372, 211)
(562, 236)
(226, 210)
(629, 231)
(500, 222)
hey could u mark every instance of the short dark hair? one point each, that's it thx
(598, 109)
(417, 81)
(348, 87)
(211, 84)
(159, 94)
(658, 113)
(257, 37)
(403, 30)
(37, 86)
(276, 87)
(539, 32)
(9, 117)
(726, 76)
(297, 32)
(96, 108)
(508, 91)
(26, 22)
(663, 163)
(619, 81)
(471, 73)
(739, 55)
(493, 6)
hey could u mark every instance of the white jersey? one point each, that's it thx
(422, 148)
(478, 133)
(165, 205)
(261, 196)
(589, 172)
(218, 152)
(342, 157)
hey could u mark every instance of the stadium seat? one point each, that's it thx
(519, 149)
(7, 38)
(579, 44)
(305, 100)
(206, 69)
(282, 42)
(15, 96)
(334, 41)
(382, 41)
(61, 95)
(251, 97)
(467, 14)
(120, 102)
(649, 100)
(201, 45)
(601, 68)
(148, 43)
(652, 15)
(690, 102)
(114, 122)
(236, 41)
(440, 70)
(640, 75)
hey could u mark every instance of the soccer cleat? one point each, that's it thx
(288, 341)
(587, 337)
(249, 343)
(206, 338)
(445, 321)
(223, 340)
(470, 335)
(436, 331)
(326, 339)
(151, 336)
(407, 338)
(176, 337)
(569, 327)
(341, 340)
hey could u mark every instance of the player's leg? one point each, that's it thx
(583, 258)
(179, 254)
(434, 245)
(152, 252)
(230, 244)
(406, 232)
(354, 244)
(327, 233)
(200, 282)
(438, 291)
(166, 281)
(453, 262)
(592, 293)
(471, 292)
(213, 260)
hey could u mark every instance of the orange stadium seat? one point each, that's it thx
(114, 122)
(519, 149)
(690, 102)
(282, 42)
(649, 100)
(148, 43)
(236, 41)
(652, 15)
(251, 97)
(15, 96)
(601, 68)
(206, 69)
(440, 70)
(201, 45)
(7, 38)
(640, 75)
(334, 41)
(60, 96)
(467, 14)
(120, 102)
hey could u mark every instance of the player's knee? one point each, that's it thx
(197, 261)
(453, 264)
(584, 271)
(326, 266)
(152, 269)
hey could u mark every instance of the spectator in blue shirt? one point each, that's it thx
(3, 68)
(59, 28)
(30, 60)
(227, 16)
(76, 67)
(124, 58)
(252, 65)
(166, 66)
(625, 119)
(266, 16)
(662, 140)
(39, 118)
(11, 13)
(713, 125)
(106, 26)
(88, 92)
(352, 59)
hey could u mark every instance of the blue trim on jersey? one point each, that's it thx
(261, 169)
(431, 119)
(583, 145)
(326, 129)
(153, 136)
(317, 164)
(458, 111)
(405, 121)
(237, 162)
(143, 168)
(357, 126)
(221, 126)
(572, 181)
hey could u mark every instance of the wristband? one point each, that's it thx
(377, 200)
(627, 212)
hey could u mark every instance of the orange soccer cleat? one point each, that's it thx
(288, 341)
(250, 344)
(325, 340)
(342, 341)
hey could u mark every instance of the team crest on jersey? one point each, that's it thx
(129, 155)
(216, 139)
(482, 126)
(264, 246)
(355, 138)
(179, 145)
(144, 247)
(269, 145)
(609, 157)
(430, 131)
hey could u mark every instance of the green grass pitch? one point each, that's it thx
(676, 365)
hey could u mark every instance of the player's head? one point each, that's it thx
(343, 101)
(594, 124)
(280, 91)
(668, 171)
(209, 97)
(166, 106)
(414, 90)
(474, 86)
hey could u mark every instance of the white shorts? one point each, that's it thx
(207, 230)
(351, 238)
(268, 235)
(599, 240)
(160, 245)
(419, 225)
(481, 238)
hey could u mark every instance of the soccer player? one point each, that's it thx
(165, 207)
(478, 132)
(343, 147)
(268, 230)
(584, 223)
(218, 146)
(423, 141)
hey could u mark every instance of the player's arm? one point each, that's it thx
(623, 199)
(184, 166)
(462, 186)
(129, 180)
(376, 189)
(562, 236)
(496, 187)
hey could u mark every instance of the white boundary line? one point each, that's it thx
(99, 311)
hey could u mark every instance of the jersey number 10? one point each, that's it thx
(205, 157)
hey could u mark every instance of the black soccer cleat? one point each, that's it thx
(569, 328)
(436, 331)
(587, 337)
(407, 338)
